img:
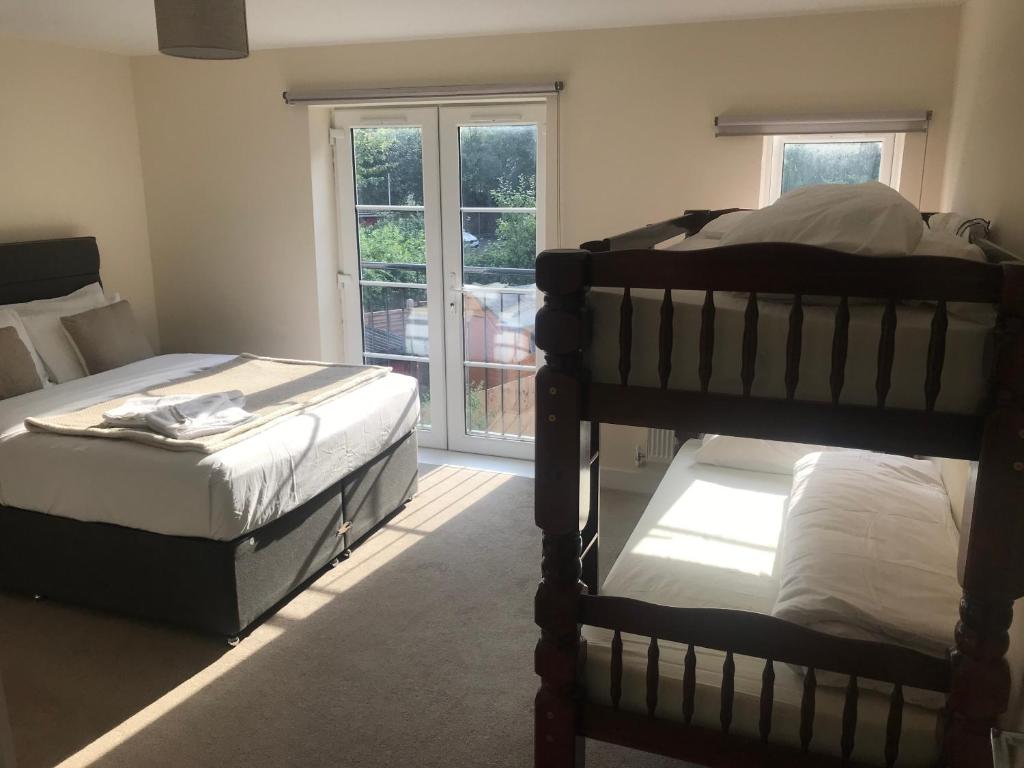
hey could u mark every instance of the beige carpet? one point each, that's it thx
(415, 652)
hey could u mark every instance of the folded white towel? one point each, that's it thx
(184, 417)
(174, 422)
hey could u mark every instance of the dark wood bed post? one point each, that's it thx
(991, 562)
(562, 491)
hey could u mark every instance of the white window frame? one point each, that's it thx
(889, 172)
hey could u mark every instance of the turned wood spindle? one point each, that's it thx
(936, 355)
(625, 336)
(894, 726)
(653, 654)
(689, 684)
(665, 339)
(886, 351)
(807, 710)
(794, 345)
(616, 685)
(767, 700)
(840, 346)
(707, 340)
(728, 687)
(849, 719)
(749, 363)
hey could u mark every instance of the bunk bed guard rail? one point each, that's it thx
(570, 407)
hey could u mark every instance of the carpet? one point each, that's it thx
(417, 651)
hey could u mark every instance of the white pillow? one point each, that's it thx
(89, 293)
(867, 219)
(957, 225)
(42, 321)
(10, 319)
(869, 551)
(717, 228)
(755, 455)
(944, 244)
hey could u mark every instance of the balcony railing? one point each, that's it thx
(497, 335)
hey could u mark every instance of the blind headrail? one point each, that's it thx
(420, 93)
(776, 125)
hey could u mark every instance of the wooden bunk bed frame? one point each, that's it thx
(570, 407)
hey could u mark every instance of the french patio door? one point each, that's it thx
(442, 212)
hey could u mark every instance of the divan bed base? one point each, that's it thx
(219, 587)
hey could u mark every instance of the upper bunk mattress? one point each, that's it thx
(965, 377)
(709, 539)
(217, 496)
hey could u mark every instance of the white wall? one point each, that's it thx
(71, 163)
(986, 169)
(229, 180)
(986, 159)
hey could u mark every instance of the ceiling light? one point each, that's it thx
(202, 29)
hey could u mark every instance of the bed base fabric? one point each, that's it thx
(219, 587)
(570, 408)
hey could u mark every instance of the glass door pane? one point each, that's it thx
(390, 193)
(490, 186)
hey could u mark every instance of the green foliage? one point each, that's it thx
(491, 153)
(515, 240)
(498, 169)
(395, 238)
(388, 166)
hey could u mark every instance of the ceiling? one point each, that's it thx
(127, 26)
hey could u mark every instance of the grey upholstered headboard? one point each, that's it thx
(46, 269)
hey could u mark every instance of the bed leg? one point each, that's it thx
(562, 490)
(981, 681)
(556, 743)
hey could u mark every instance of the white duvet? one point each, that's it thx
(869, 551)
(217, 496)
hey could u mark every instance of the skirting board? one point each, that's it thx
(643, 479)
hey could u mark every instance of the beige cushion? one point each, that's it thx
(107, 337)
(17, 369)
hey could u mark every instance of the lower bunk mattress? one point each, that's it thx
(220, 496)
(709, 539)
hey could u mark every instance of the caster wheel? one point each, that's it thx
(234, 641)
(334, 563)
(346, 554)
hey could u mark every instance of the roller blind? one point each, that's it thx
(772, 125)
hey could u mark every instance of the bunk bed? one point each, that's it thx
(615, 354)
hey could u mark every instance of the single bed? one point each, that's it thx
(207, 541)
(710, 538)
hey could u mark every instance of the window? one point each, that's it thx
(795, 161)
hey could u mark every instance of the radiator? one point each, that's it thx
(661, 445)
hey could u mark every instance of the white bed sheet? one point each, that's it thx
(709, 538)
(218, 496)
(964, 378)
